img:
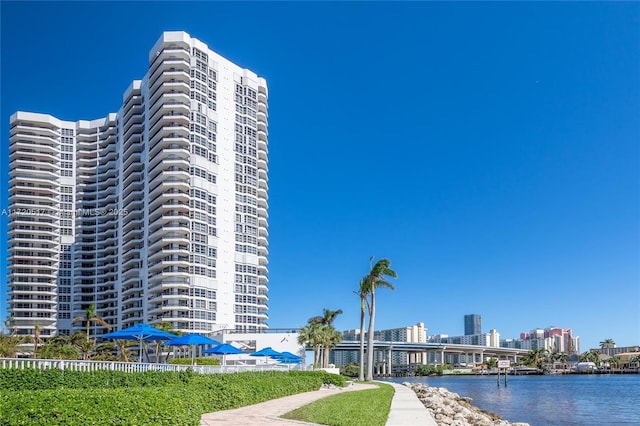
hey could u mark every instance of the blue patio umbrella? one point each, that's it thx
(224, 349)
(287, 358)
(140, 332)
(266, 352)
(192, 339)
(286, 354)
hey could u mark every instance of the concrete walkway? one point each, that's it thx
(406, 409)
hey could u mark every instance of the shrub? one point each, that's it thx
(350, 370)
(196, 361)
(56, 397)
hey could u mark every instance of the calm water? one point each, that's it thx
(580, 400)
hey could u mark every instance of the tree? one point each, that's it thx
(590, 356)
(363, 292)
(607, 344)
(91, 317)
(613, 362)
(535, 357)
(327, 318)
(376, 278)
(58, 347)
(36, 340)
(328, 335)
(80, 341)
(123, 352)
(491, 363)
(310, 336)
(9, 343)
(164, 326)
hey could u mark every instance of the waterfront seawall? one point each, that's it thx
(449, 408)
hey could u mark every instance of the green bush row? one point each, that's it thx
(53, 378)
(32, 379)
(196, 361)
(174, 404)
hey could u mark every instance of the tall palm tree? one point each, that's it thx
(327, 318)
(377, 278)
(363, 292)
(607, 344)
(90, 316)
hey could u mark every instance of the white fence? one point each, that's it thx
(130, 367)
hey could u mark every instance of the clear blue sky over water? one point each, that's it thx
(490, 150)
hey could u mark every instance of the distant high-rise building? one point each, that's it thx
(472, 324)
(553, 339)
(156, 213)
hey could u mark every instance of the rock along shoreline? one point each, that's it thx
(450, 409)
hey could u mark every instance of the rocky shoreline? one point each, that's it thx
(450, 409)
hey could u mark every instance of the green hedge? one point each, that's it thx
(53, 378)
(180, 400)
(196, 361)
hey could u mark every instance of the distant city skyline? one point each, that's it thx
(489, 150)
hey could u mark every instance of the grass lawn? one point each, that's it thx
(360, 408)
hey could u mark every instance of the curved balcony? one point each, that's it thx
(166, 108)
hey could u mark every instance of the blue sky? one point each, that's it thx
(489, 150)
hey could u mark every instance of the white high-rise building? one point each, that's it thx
(156, 213)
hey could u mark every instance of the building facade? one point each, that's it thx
(156, 213)
(491, 339)
(410, 334)
(553, 339)
(472, 324)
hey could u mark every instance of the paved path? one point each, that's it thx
(407, 410)
(268, 412)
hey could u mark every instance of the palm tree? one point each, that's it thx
(80, 341)
(607, 344)
(9, 343)
(310, 335)
(329, 336)
(535, 357)
(164, 326)
(613, 362)
(363, 292)
(327, 318)
(58, 347)
(590, 356)
(91, 316)
(36, 340)
(123, 352)
(376, 278)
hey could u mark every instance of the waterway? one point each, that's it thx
(562, 400)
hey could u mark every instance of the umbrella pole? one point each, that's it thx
(140, 351)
